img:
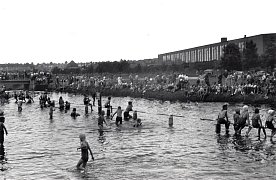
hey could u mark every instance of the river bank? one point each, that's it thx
(180, 96)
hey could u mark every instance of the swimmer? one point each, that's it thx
(127, 116)
(244, 120)
(135, 115)
(67, 105)
(74, 113)
(119, 117)
(223, 119)
(108, 107)
(20, 105)
(138, 123)
(84, 146)
(237, 118)
(2, 128)
(171, 120)
(101, 120)
(61, 103)
(257, 123)
(51, 111)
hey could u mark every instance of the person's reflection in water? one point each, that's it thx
(242, 144)
(101, 136)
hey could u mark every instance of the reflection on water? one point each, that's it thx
(42, 148)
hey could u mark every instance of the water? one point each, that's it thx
(39, 148)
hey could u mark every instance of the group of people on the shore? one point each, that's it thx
(242, 119)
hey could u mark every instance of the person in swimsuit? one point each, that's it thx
(236, 118)
(84, 146)
(74, 113)
(223, 119)
(101, 120)
(127, 116)
(119, 117)
(257, 123)
(270, 122)
(171, 120)
(244, 119)
(108, 107)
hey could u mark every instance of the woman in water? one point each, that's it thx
(84, 146)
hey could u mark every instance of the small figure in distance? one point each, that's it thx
(20, 102)
(74, 113)
(2, 128)
(138, 123)
(67, 105)
(84, 146)
(171, 121)
(119, 117)
(135, 115)
(127, 116)
(101, 120)
(51, 110)
(270, 121)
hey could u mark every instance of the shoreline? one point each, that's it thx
(181, 96)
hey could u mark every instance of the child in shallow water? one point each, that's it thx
(84, 146)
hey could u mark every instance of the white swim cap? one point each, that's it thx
(271, 112)
(245, 108)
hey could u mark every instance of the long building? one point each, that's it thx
(212, 52)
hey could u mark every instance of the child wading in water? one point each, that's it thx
(119, 117)
(84, 146)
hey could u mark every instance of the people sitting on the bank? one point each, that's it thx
(61, 103)
(138, 123)
(223, 119)
(74, 113)
(257, 123)
(108, 107)
(127, 116)
(270, 121)
(119, 117)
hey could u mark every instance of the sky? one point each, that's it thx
(44, 31)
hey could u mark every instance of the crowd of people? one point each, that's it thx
(242, 119)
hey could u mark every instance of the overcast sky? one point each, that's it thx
(87, 30)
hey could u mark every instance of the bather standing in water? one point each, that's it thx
(270, 121)
(84, 146)
(2, 128)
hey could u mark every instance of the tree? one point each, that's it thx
(231, 59)
(250, 56)
(270, 54)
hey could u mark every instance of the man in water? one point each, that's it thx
(223, 119)
(127, 116)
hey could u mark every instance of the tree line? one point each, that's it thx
(248, 59)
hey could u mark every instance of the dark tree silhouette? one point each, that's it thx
(250, 56)
(231, 59)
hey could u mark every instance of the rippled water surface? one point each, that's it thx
(39, 148)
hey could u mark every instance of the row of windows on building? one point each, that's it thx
(199, 54)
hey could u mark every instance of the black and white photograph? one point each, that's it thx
(137, 89)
